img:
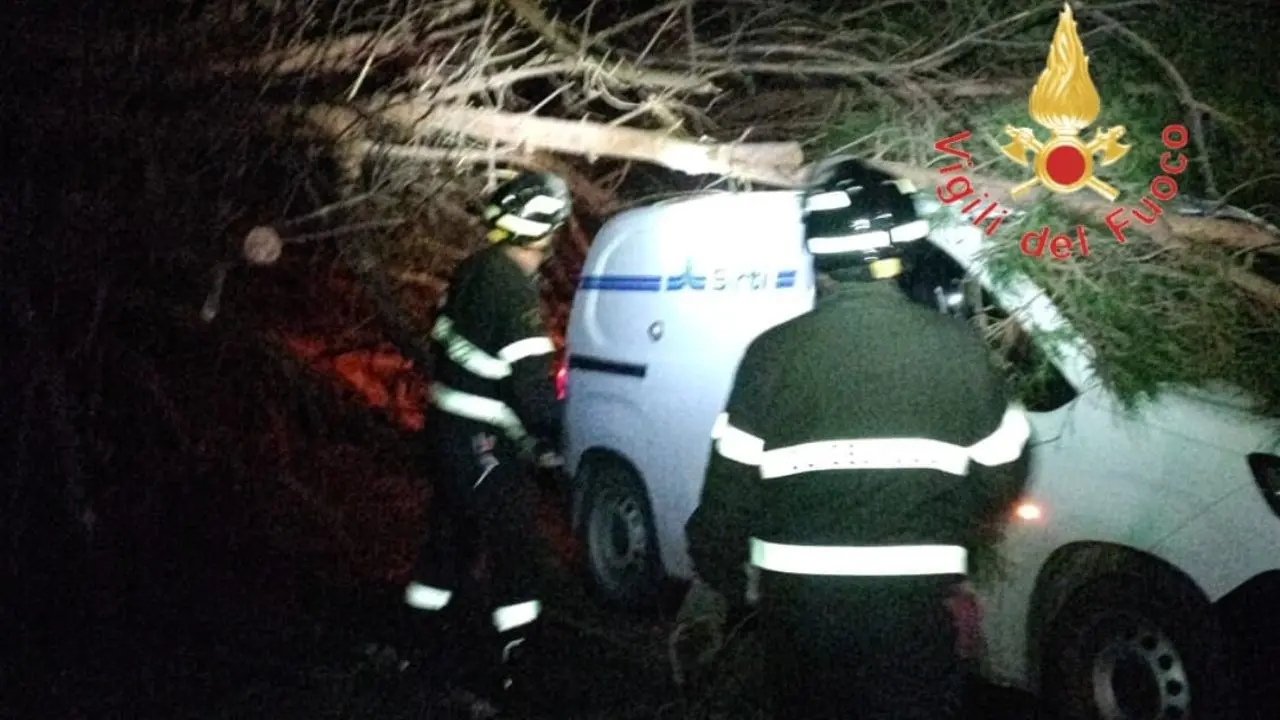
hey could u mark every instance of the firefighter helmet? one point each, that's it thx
(857, 215)
(527, 208)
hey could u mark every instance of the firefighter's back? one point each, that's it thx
(868, 364)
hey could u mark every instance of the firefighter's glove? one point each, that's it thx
(699, 635)
(541, 453)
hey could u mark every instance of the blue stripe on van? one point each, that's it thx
(654, 283)
(635, 283)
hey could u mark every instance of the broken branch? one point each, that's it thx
(770, 163)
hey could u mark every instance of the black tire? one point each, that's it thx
(1139, 645)
(617, 535)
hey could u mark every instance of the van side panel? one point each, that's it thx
(608, 358)
(678, 291)
(605, 415)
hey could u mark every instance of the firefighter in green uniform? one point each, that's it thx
(493, 400)
(863, 445)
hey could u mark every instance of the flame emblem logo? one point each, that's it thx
(1064, 102)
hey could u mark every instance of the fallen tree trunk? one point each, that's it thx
(768, 163)
(761, 162)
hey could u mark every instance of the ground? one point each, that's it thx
(244, 639)
(261, 640)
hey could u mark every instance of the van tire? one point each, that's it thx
(1140, 640)
(618, 537)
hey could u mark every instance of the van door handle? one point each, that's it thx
(655, 330)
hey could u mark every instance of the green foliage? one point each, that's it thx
(1156, 315)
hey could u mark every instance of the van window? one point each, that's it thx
(1036, 380)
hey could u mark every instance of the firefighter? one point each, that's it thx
(863, 447)
(494, 401)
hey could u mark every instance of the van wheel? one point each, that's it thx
(1137, 647)
(618, 536)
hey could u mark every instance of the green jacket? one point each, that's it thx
(866, 363)
(493, 354)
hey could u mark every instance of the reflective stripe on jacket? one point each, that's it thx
(1005, 445)
(1002, 446)
(873, 560)
(868, 436)
(493, 354)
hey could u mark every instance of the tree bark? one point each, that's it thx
(768, 163)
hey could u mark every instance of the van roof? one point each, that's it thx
(684, 196)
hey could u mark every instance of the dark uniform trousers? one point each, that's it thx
(860, 648)
(479, 565)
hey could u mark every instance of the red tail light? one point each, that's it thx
(562, 379)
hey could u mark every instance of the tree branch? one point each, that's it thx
(1221, 232)
(590, 197)
(620, 72)
(1214, 230)
(1194, 109)
(769, 163)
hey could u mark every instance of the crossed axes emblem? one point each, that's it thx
(1064, 163)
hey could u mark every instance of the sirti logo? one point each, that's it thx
(1064, 101)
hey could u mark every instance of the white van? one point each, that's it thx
(1134, 522)
(669, 298)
